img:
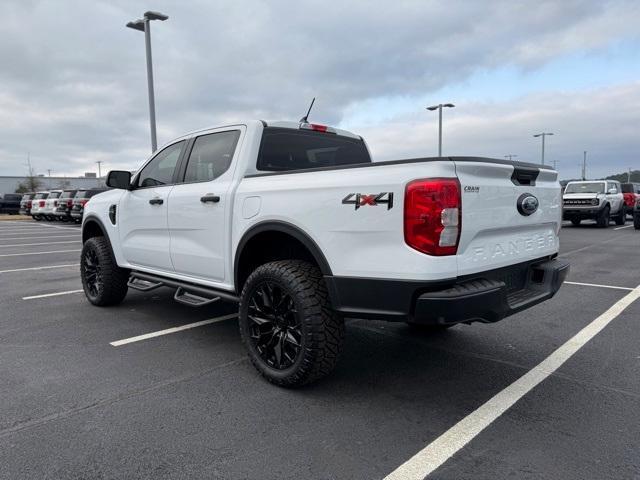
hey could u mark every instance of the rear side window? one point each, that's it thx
(160, 170)
(41, 196)
(284, 149)
(68, 194)
(211, 156)
(54, 194)
(11, 196)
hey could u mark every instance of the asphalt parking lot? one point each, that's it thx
(83, 396)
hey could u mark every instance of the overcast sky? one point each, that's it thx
(73, 81)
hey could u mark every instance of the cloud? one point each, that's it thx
(605, 123)
(73, 85)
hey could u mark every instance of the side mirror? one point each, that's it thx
(119, 179)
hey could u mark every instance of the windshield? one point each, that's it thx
(40, 196)
(67, 194)
(587, 187)
(54, 194)
(628, 188)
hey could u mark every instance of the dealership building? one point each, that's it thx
(9, 184)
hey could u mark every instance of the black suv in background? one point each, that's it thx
(82, 197)
(65, 202)
(25, 203)
(10, 203)
(636, 215)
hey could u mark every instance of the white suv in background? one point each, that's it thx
(37, 204)
(599, 200)
(50, 205)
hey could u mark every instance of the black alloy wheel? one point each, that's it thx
(274, 328)
(92, 273)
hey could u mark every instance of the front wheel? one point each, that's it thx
(292, 335)
(604, 217)
(104, 283)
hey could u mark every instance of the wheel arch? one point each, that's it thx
(274, 232)
(93, 227)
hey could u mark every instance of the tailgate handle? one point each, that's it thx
(525, 175)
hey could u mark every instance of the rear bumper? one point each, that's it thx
(485, 297)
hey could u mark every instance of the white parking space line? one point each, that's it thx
(450, 442)
(38, 244)
(33, 297)
(620, 228)
(48, 267)
(36, 253)
(168, 331)
(71, 235)
(598, 285)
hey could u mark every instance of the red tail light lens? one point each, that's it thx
(69, 203)
(41, 203)
(29, 204)
(433, 215)
(55, 203)
(82, 202)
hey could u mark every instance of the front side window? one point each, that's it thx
(211, 156)
(159, 171)
(613, 187)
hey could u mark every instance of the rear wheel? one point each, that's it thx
(292, 335)
(604, 217)
(636, 221)
(576, 221)
(104, 283)
(621, 219)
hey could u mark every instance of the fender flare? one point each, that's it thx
(282, 227)
(95, 220)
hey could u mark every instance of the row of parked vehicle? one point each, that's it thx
(63, 205)
(602, 201)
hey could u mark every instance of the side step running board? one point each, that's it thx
(186, 293)
(192, 300)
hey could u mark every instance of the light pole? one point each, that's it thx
(584, 165)
(144, 25)
(439, 108)
(510, 156)
(543, 134)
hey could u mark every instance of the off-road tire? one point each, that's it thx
(636, 221)
(113, 279)
(322, 330)
(604, 217)
(576, 221)
(621, 219)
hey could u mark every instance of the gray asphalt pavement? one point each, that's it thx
(189, 404)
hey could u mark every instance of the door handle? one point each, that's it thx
(156, 201)
(210, 197)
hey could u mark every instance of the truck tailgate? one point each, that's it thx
(495, 231)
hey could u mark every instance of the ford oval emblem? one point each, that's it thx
(527, 204)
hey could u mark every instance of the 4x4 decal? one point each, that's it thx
(373, 199)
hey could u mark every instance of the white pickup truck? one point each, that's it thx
(296, 223)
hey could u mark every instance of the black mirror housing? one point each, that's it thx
(119, 179)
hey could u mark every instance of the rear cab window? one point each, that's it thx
(286, 149)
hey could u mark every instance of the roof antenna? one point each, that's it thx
(305, 119)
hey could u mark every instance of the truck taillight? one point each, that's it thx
(41, 203)
(433, 215)
(69, 203)
(55, 203)
(29, 204)
(84, 201)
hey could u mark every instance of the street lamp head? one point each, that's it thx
(155, 16)
(137, 25)
(448, 105)
(433, 107)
